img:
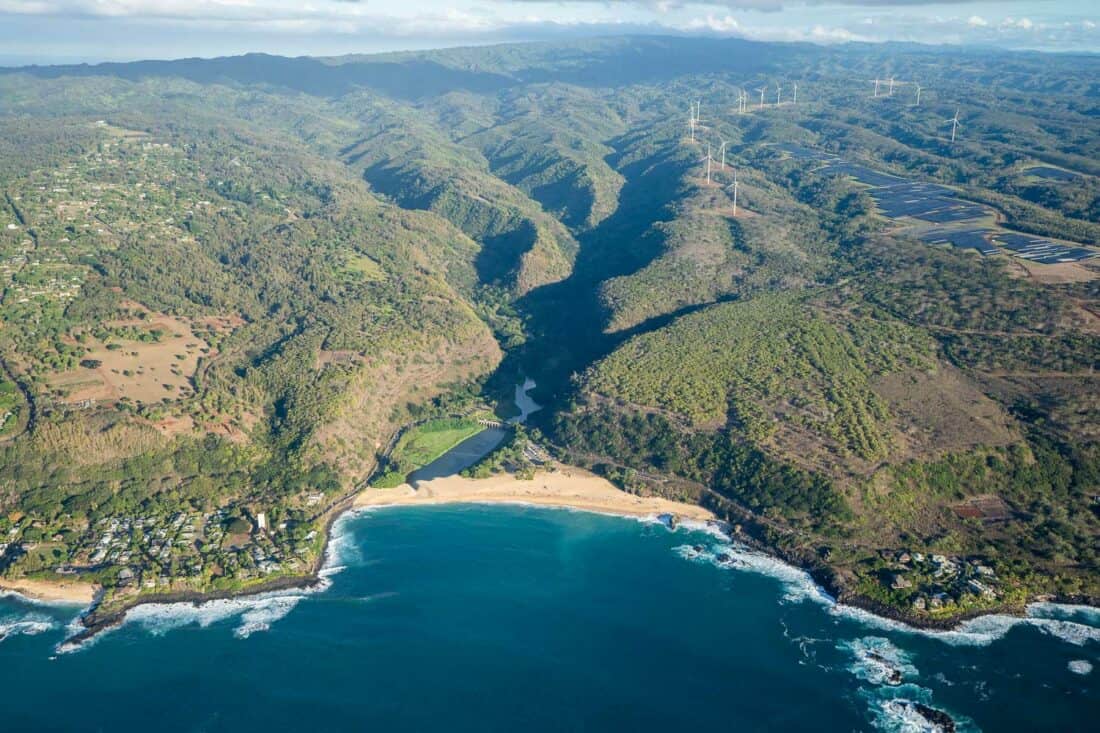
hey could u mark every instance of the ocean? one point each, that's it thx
(530, 619)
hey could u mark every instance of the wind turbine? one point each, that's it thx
(708, 164)
(954, 124)
(891, 92)
(762, 90)
(722, 152)
(693, 119)
(876, 81)
(795, 93)
(918, 95)
(734, 187)
(778, 95)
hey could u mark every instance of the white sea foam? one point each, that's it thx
(1069, 611)
(798, 586)
(25, 625)
(878, 661)
(894, 710)
(902, 716)
(1080, 666)
(256, 613)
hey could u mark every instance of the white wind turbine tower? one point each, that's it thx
(722, 153)
(734, 187)
(891, 92)
(795, 93)
(954, 124)
(762, 90)
(778, 95)
(876, 82)
(918, 95)
(708, 164)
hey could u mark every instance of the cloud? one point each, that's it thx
(758, 5)
(1023, 23)
(977, 21)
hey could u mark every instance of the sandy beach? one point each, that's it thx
(566, 487)
(51, 591)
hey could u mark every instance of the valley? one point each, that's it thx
(239, 291)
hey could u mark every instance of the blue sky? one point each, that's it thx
(50, 31)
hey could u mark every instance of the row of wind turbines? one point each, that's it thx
(694, 123)
(743, 98)
(955, 124)
(743, 106)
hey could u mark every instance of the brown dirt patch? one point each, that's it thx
(986, 507)
(1057, 274)
(145, 372)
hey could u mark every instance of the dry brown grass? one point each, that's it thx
(145, 373)
(942, 412)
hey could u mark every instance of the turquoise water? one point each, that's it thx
(514, 618)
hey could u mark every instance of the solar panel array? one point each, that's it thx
(896, 198)
(1043, 251)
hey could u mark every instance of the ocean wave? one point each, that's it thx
(908, 708)
(1069, 611)
(1080, 666)
(256, 613)
(27, 625)
(878, 661)
(1074, 624)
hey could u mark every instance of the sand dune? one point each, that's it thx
(564, 487)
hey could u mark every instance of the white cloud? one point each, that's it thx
(727, 24)
(977, 21)
(1023, 23)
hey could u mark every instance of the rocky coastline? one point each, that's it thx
(95, 620)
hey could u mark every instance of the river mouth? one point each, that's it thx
(461, 457)
(476, 447)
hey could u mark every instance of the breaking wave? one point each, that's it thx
(1080, 666)
(878, 661)
(26, 625)
(1076, 625)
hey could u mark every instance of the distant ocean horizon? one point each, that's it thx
(472, 617)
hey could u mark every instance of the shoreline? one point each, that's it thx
(55, 592)
(563, 488)
(566, 488)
